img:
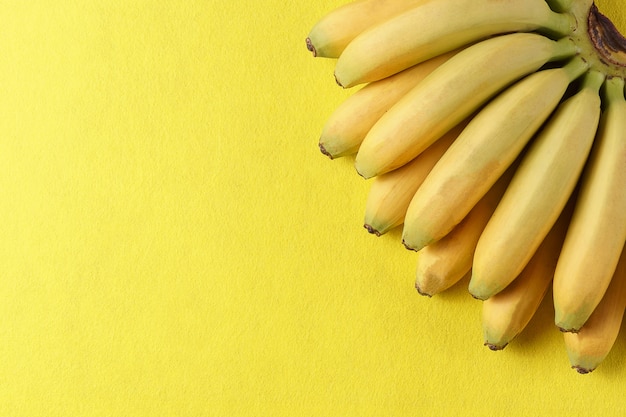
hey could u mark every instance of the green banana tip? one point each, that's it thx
(371, 230)
(324, 151)
(362, 174)
(479, 291)
(421, 292)
(476, 296)
(339, 83)
(563, 322)
(409, 247)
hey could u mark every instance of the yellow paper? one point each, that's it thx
(173, 243)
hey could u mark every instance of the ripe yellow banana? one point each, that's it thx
(332, 33)
(349, 123)
(507, 313)
(442, 264)
(483, 151)
(590, 346)
(538, 192)
(451, 93)
(440, 26)
(597, 231)
(390, 194)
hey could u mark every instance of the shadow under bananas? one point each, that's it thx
(539, 334)
(541, 331)
(613, 366)
(540, 328)
(457, 292)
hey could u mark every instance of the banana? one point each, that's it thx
(440, 26)
(332, 33)
(540, 188)
(450, 94)
(442, 264)
(590, 346)
(349, 123)
(507, 313)
(597, 231)
(483, 151)
(390, 194)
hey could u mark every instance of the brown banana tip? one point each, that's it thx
(310, 47)
(361, 175)
(338, 82)
(324, 151)
(564, 330)
(420, 292)
(493, 347)
(581, 370)
(406, 245)
(371, 230)
(475, 297)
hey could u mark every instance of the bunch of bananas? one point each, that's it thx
(494, 132)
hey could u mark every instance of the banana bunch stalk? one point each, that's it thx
(494, 135)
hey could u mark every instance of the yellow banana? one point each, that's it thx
(349, 123)
(597, 231)
(483, 151)
(332, 33)
(538, 192)
(590, 346)
(440, 26)
(451, 93)
(390, 194)
(442, 264)
(507, 313)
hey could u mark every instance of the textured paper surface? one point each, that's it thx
(174, 244)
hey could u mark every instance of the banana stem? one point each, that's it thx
(560, 24)
(593, 80)
(614, 90)
(564, 48)
(575, 67)
(560, 5)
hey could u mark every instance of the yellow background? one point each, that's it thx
(174, 244)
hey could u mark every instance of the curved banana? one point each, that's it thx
(390, 194)
(540, 188)
(590, 346)
(507, 313)
(451, 93)
(332, 33)
(492, 140)
(349, 123)
(445, 262)
(597, 231)
(440, 26)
